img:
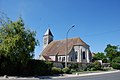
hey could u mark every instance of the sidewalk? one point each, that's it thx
(77, 74)
(87, 74)
(62, 76)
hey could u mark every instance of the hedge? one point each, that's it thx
(116, 63)
(32, 68)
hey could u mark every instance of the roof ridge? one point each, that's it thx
(67, 38)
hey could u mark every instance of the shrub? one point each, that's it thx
(39, 68)
(66, 70)
(97, 65)
(56, 70)
(94, 66)
(116, 63)
(73, 66)
(32, 68)
(72, 70)
(90, 67)
(93, 69)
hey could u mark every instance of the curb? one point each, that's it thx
(86, 74)
(89, 74)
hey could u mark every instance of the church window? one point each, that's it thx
(71, 59)
(76, 54)
(45, 40)
(63, 58)
(59, 58)
(83, 54)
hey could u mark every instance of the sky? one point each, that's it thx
(97, 22)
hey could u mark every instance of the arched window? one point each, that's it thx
(63, 58)
(76, 55)
(59, 58)
(83, 54)
(71, 59)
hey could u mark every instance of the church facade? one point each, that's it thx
(55, 50)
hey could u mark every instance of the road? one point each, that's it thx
(110, 76)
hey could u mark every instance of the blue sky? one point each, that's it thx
(97, 22)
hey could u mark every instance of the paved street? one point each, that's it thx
(110, 76)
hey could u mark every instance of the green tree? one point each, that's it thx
(100, 56)
(116, 63)
(112, 51)
(16, 42)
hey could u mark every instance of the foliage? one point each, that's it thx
(112, 51)
(56, 70)
(32, 68)
(73, 66)
(73, 70)
(66, 70)
(116, 63)
(16, 42)
(100, 56)
(97, 65)
(38, 67)
(94, 66)
(90, 67)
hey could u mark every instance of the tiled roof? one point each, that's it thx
(59, 47)
(47, 58)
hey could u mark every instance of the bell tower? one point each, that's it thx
(47, 38)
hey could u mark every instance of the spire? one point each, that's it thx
(48, 32)
(47, 38)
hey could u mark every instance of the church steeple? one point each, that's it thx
(47, 38)
(48, 32)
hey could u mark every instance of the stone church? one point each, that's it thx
(55, 50)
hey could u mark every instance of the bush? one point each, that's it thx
(116, 63)
(72, 70)
(32, 68)
(38, 68)
(66, 70)
(56, 70)
(94, 66)
(73, 66)
(90, 67)
(97, 65)
(93, 69)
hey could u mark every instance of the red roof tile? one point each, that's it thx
(47, 58)
(59, 47)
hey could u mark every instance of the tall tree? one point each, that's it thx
(100, 56)
(112, 51)
(16, 42)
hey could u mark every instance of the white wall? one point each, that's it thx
(41, 57)
(72, 56)
(80, 50)
(76, 50)
(52, 58)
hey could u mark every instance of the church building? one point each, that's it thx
(55, 50)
